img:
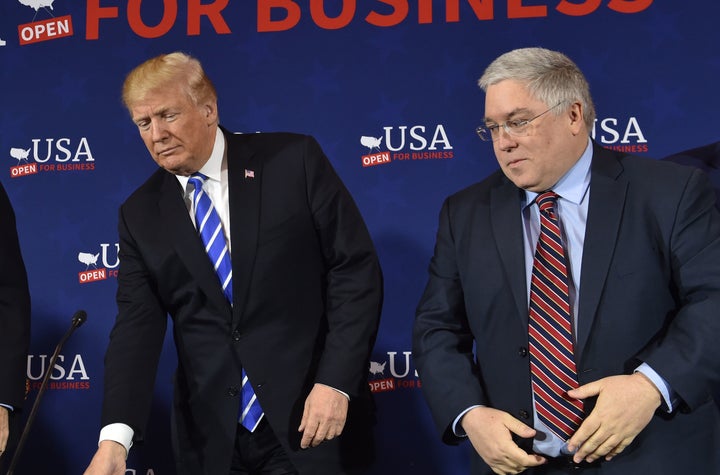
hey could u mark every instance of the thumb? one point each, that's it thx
(520, 429)
(585, 391)
(304, 419)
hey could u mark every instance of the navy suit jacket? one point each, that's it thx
(649, 291)
(307, 293)
(14, 322)
(14, 310)
(706, 158)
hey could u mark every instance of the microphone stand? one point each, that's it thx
(78, 319)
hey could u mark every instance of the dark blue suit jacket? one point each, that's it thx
(307, 292)
(649, 291)
(706, 158)
(14, 310)
(14, 322)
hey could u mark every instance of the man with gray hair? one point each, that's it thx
(572, 312)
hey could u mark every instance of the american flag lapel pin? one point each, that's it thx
(249, 173)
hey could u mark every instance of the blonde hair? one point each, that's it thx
(162, 70)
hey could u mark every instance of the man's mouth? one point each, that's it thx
(167, 151)
(515, 162)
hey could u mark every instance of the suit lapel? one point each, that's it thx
(244, 179)
(506, 222)
(608, 190)
(176, 220)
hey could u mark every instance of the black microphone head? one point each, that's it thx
(79, 318)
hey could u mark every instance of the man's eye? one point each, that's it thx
(492, 128)
(516, 124)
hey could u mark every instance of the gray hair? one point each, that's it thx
(550, 77)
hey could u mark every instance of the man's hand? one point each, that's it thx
(4, 428)
(625, 405)
(490, 431)
(324, 416)
(108, 460)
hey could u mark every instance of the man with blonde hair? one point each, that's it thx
(256, 250)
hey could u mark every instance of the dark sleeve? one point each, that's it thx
(688, 357)
(136, 340)
(442, 340)
(354, 280)
(14, 309)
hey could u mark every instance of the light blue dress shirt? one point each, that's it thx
(572, 208)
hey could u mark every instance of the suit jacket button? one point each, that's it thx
(524, 414)
(522, 351)
(236, 335)
(232, 391)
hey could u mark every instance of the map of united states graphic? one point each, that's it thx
(37, 4)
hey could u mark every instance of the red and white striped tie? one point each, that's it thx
(552, 362)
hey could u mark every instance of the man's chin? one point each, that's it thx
(518, 180)
(173, 166)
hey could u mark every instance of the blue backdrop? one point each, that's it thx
(388, 87)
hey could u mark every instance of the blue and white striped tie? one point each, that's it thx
(210, 229)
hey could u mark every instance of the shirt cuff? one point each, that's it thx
(8, 407)
(456, 427)
(667, 393)
(341, 392)
(120, 433)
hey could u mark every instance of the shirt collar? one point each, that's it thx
(213, 167)
(574, 184)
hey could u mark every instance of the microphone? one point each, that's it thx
(78, 319)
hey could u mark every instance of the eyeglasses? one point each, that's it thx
(515, 128)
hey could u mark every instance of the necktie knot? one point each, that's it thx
(197, 179)
(546, 201)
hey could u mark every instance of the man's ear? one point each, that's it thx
(210, 109)
(577, 121)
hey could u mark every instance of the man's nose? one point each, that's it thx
(505, 140)
(158, 131)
